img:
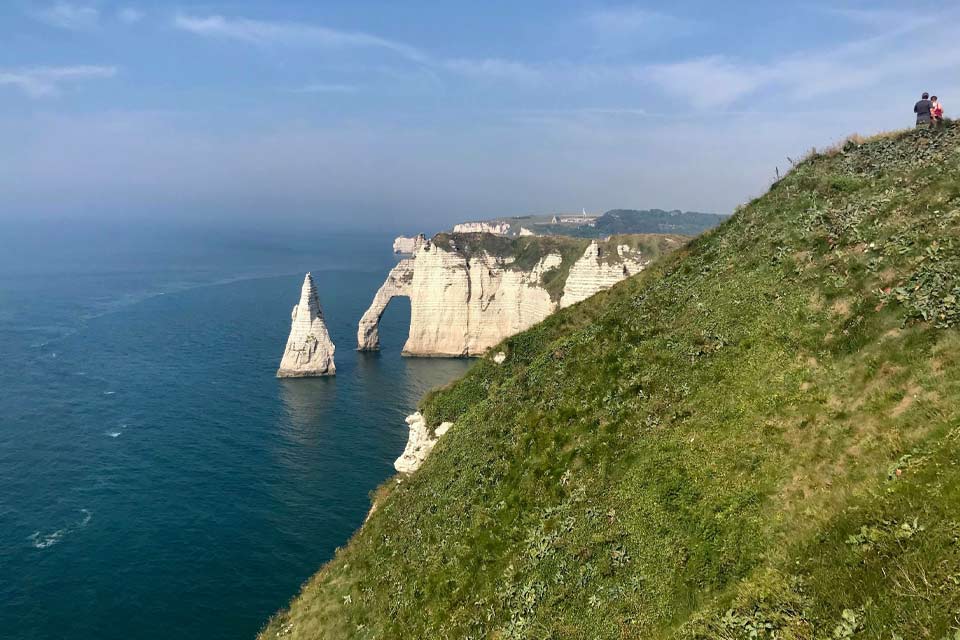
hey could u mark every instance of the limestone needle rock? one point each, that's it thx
(309, 349)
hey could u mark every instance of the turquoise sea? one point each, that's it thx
(156, 479)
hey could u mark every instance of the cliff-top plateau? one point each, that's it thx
(754, 437)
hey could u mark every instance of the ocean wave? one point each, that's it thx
(45, 541)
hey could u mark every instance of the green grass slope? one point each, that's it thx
(755, 438)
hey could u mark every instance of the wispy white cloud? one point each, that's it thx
(65, 15)
(493, 68)
(261, 32)
(886, 19)
(579, 114)
(129, 15)
(888, 55)
(626, 30)
(323, 87)
(708, 82)
(43, 82)
(634, 21)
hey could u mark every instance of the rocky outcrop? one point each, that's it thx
(398, 283)
(404, 244)
(459, 306)
(309, 349)
(419, 443)
(463, 301)
(594, 272)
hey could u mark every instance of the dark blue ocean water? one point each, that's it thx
(156, 479)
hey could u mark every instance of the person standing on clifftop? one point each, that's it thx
(936, 112)
(922, 109)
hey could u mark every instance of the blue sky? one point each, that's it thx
(412, 115)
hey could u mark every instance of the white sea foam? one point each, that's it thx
(117, 432)
(42, 542)
(45, 541)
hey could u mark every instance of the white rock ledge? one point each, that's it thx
(419, 443)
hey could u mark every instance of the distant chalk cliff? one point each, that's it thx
(496, 228)
(470, 291)
(403, 244)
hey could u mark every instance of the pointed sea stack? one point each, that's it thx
(309, 349)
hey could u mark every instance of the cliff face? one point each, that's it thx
(593, 272)
(496, 228)
(464, 301)
(309, 349)
(403, 244)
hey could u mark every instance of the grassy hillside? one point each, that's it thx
(756, 438)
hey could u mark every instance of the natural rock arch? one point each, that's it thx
(397, 284)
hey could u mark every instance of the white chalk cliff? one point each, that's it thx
(496, 228)
(309, 349)
(419, 443)
(403, 244)
(592, 273)
(462, 305)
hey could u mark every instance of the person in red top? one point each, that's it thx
(936, 112)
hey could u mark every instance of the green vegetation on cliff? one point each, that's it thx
(754, 438)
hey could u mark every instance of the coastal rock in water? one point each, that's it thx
(309, 349)
(462, 302)
(459, 306)
(419, 443)
(403, 244)
(398, 283)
